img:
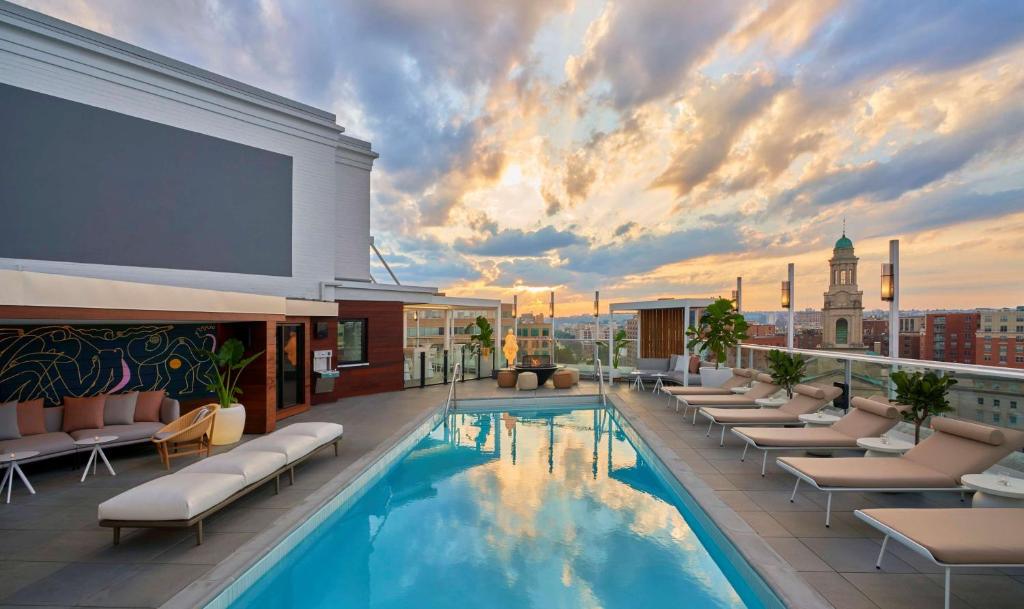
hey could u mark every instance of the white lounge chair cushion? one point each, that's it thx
(323, 432)
(253, 465)
(179, 496)
(292, 446)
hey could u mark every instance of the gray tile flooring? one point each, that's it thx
(52, 553)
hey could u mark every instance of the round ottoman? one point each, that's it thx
(575, 372)
(507, 378)
(562, 379)
(526, 381)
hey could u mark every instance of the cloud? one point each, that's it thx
(650, 251)
(515, 242)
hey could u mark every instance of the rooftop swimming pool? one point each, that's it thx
(508, 508)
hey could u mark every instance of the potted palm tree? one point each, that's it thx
(481, 337)
(620, 345)
(786, 370)
(228, 363)
(924, 393)
(719, 329)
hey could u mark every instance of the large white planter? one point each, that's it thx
(228, 425)
(714, 377)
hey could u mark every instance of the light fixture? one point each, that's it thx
(515, 306)
(552, 304)
(785, 295)
(597, 303)
(735, 297)
(888, 282)
(415, 316)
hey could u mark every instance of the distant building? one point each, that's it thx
(808, 318)
(911, 324)
(534, 338)
(910, 345)
(876, 335)
(757, 330)
(843, 313)
(989, 400)
(950, 337)
(1000, 337)
(808, 338)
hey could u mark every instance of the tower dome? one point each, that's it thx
(844, 243)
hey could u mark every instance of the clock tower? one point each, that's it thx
(843, 314)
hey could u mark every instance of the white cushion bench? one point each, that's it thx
(187, 497)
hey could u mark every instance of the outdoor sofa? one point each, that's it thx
(648, 366)
(187, 497)
(806, 400)
(954, 449)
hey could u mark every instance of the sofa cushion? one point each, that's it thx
(54, 418)
(673, 361)
(292, 446)
(147, 406)
(43, 443)
(325, 432)
(694, 364)
(9, 421)
(179, 496)
(83, 413)
(120, 409)
(253, 465)
(31, 417)
(124, 433)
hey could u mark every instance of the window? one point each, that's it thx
(1013, 405)
(995, 417)
(352, 341)
(981, 401)
(842, 332)
(1013, 419)
(995, 403)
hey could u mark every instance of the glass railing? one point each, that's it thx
(579, 353)
(433, 365)
(986, 394)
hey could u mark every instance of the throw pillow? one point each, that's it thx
(83, 413)
(147, 406)
(9, 421)
(694, 364)
(681, 363)
(120, 408)
(31, 417)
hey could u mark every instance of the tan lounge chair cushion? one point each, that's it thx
(797, 436)
(179, 496)
(877, 406)
(860, 472)
(957, 536)
(753, 416)
(960, 447)
(811, 391)
(867, 419)
(323, 432)
(292, 446)
(698, 391)
(971, 431)
(253, 465)
(808, 398)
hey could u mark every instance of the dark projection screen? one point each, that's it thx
(82, 184)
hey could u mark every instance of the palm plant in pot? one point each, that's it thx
(228, 363)
(719, 329)
(924, 393)
(620, 344)
(786, 370)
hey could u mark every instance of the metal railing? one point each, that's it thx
(600, 381)
(451, 402)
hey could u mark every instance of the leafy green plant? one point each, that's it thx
(720, 328)
(481, 333)
(228, 363)
(619, 342)
(787, 370)
(924, 393)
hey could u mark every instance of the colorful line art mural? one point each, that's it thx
(56, 361)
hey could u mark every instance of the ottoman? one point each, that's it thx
(507, 378)
(575, 372)
(562, 379)
(526, 381)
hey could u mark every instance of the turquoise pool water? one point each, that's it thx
(503, 509)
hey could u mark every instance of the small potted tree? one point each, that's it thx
(228, 364)
(720, 329)
(786, 370)
(925, 395)
(481, 341)
(620, 346)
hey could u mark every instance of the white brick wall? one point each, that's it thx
(330, 199)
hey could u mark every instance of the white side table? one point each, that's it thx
(11, 459)
(883, 447)
(770, 402)
(96, 443)
(657, 381)
(638, 381)
(818, 419)
(740, 390)
(995, 491)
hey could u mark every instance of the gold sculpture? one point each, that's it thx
(511, 348)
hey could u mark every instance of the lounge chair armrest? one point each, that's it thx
(170, 410)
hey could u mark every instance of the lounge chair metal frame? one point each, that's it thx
(197, 520)
(847, 489)
(725, 426)
(923, 551)
(698, 407)
(764, 461)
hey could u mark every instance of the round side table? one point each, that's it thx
(96, 443)
(740, 390)
(887, 447)
(657, 381)
(11, 459)
(770, 402)
(994, 490)
(818, 419)
(638, 380)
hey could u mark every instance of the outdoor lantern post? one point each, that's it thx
(788, 303)
(737, 299)
(891, 294)
(597, 326)
(552, 311)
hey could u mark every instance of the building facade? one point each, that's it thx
(1000, 337)
(843, 314)
(949, 337)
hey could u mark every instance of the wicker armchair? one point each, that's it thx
(188, 435)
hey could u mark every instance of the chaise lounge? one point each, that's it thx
(954, 538)
(189, 496)
(954, 449)
(806, 399)
(762, 387)
(869, 417)
(740, 377)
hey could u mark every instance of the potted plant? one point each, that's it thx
(228, 363)
(924, 393)
(481, 336)
(720, 329)
(620, 347)
(786, 370)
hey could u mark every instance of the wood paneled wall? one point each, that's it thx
(384, 349)
(662, 332)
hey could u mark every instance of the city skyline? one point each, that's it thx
(512, 146)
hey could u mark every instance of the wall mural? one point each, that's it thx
(56, 361)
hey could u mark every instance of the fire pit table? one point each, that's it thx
(543, 372)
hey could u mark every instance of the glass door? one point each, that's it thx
(290, 368)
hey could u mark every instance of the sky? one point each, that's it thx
(650, 148)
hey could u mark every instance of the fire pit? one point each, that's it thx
(538, 365)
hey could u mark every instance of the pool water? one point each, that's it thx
(504, 509)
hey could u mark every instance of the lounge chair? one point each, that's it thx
(189, 496)
(740, 377)
(954, 538)
(806, 399)
(764, 387)
(189, 434)
(936, 464)
(868, 418)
